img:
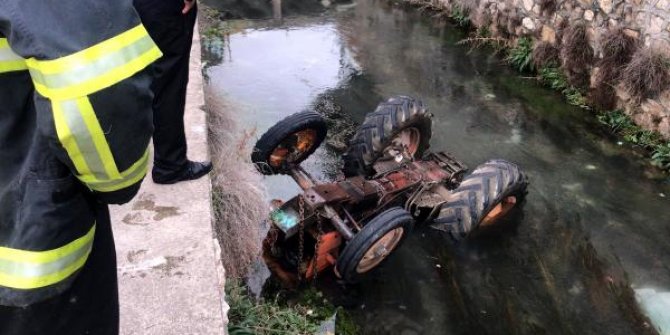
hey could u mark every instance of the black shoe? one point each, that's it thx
(192, 171)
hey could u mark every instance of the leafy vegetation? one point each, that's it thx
(620, 123)
(248, 316)
(556, 79)
(460, 16)
(520, 56)
(661, 156)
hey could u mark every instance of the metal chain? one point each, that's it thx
(317, 246)
(301, 238)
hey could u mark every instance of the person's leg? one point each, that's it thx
(89, 306)
(173, 33)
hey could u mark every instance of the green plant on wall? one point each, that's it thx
(661, 156)
(521, 56)
(460, 16)
(615, 120)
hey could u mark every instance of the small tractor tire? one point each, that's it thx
(374, 243)
(282, 145)
(482, 198)
(379, 130)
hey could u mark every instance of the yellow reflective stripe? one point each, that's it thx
(9, 61)
(22, 269)
(83, 138)
(98, 137)
(95, 68)
(132, 175)
(69, 140)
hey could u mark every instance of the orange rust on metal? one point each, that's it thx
(329, 247)
(305, 140)
(277, 157)
(393, 182)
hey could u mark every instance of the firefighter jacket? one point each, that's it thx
(75, 124)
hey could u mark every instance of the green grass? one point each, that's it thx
(248, 316)
(460, 16)
(661, 156)
(520, 56)
(554, 78)
(621, 124)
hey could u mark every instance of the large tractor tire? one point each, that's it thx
(374, 243)
(484, 197)
(399, 122)
(289, 142)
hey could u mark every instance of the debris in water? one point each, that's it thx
(403, 307)
(662, 195)
(619, 143)
(438, 266)
(489, 96)
(575, 289)
(591, 167)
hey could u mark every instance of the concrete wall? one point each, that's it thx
(646, 20)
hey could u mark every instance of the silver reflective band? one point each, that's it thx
(83, 137)
(96, 68)
(30, 270)
(7, 55)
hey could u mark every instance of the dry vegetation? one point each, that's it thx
(238, 196)
(545, 55)
(646, 75)
(617, 50)
(576, 55)
(548, 7)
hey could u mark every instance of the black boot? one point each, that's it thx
(191, 171)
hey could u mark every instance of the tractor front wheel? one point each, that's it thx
(374, 243)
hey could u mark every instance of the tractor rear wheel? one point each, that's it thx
(484, 197)
(399, 127)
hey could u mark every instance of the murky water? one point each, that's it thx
(596, 215)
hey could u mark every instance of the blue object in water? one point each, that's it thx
(284, 220)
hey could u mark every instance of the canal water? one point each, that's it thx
(595, 224)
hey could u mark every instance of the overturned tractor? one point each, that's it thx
(390, 182)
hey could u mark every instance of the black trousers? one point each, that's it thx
(173, 33)
(89, 307)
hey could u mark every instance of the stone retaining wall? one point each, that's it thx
(545, 20)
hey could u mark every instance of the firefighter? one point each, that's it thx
(170, 24)
(75, 124)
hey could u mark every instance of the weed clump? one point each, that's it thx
(545, 55)
(556, 80)
(620, 123)
(548, 7)
(646, 75)
(617, 49)
(250, 316)
(521, 56)
(661, 156)
(576, 55)
(460, 15)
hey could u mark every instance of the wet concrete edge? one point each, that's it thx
(171, 279)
